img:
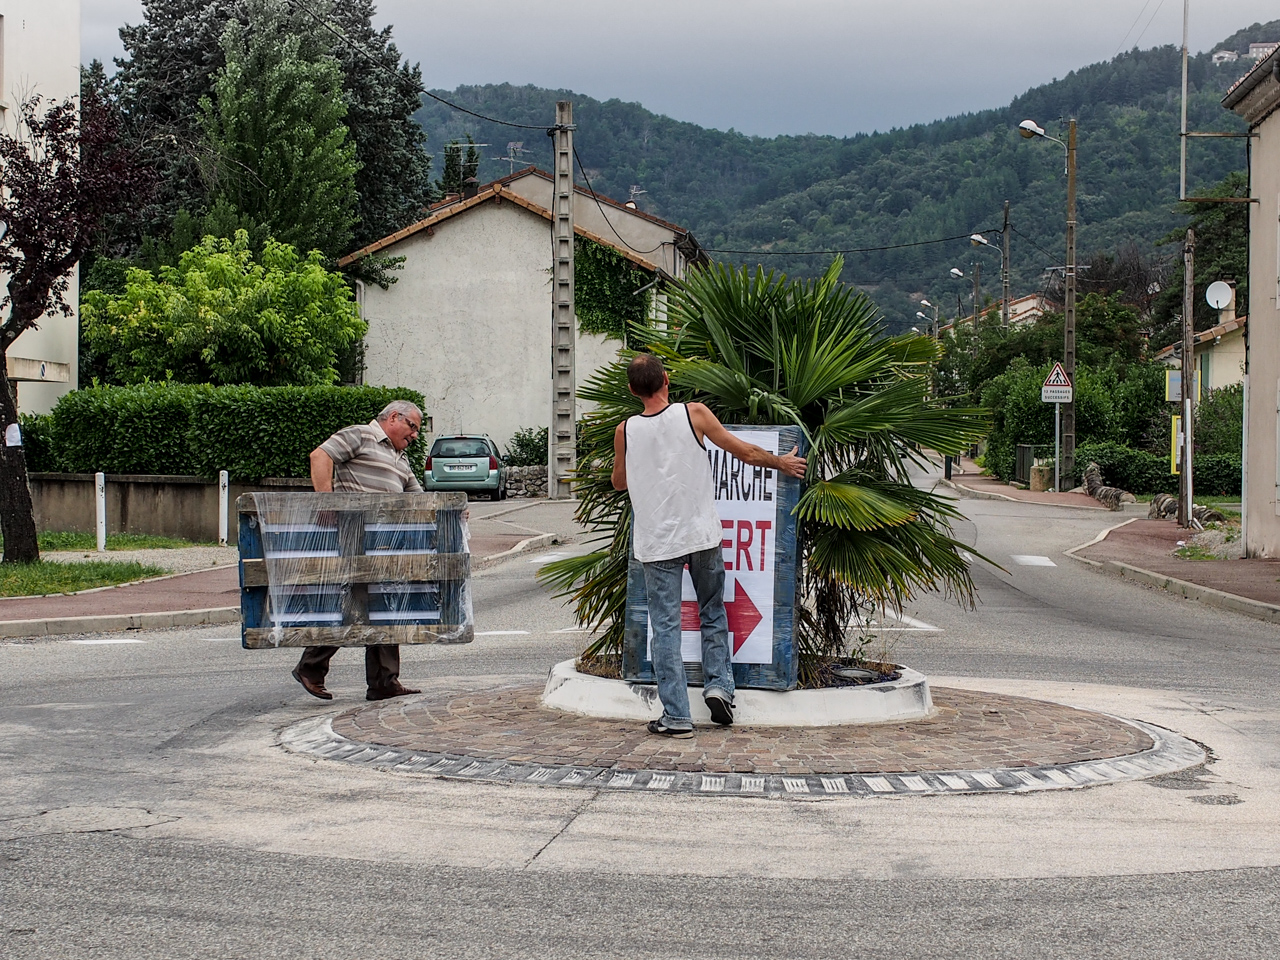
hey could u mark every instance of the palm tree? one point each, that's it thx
(762, 349)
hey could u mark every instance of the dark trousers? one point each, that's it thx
(381, 664)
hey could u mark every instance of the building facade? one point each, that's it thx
(468, 320)
(40, 55)
(1256, 98)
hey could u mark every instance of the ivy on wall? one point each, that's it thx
(604, 290)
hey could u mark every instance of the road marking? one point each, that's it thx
(954, 782)
(571, 630)
(835, 785)
(891, 621)
(987, 780)
(622, 780)
(1023, 560)
(711, 784)
(503, 633)
(221, 639)
(878, 784)
(753, 784)
(102, 640)
(541, 774)
(968, 557)
(914, 783)
(548, 557)
(795, 784)
(661, 781)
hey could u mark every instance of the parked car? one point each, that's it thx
(467, 461)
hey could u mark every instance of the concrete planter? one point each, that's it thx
(906, 698)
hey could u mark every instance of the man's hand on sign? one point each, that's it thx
(792, 465)
(707, 425)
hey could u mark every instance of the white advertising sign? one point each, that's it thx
(745, 500)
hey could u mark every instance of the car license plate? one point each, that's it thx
(458, 467)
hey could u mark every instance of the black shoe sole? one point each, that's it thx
(721, 711)
(656, 728)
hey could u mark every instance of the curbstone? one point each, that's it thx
(106, 623)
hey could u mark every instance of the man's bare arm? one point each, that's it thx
(321, 471)
(707, 425)
(619, 477)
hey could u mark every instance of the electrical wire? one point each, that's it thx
(418, 88)
(1030, 241)
(809, 253)
(1130, 30)
(583, 171)
(1148, 26)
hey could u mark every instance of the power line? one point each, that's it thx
(1130, 30)
(605, 215)
(809, 253)
(1030, 241)
(418, 88)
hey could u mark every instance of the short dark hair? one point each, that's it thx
(644, 374)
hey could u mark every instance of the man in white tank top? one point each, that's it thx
(661, 461)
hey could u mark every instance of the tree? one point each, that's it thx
(221, 317)
(281, 154)
(175, 53)
(759, 348)
(61, 173)
(1222, 253)
(382, 94)
(458, 166)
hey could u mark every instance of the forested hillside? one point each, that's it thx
(907, 185)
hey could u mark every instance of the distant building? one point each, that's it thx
(1259, 50)
(1022, 311)
(468, 320)
(40, 54)
(1219, 353)
(1256, 98)
(1225, 56)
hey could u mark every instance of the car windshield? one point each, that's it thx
(460, 447)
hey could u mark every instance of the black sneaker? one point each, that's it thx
(662, 730)
(721, 709)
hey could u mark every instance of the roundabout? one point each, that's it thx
(970, 743)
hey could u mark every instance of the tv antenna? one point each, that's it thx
(635, 192)
(514, 149)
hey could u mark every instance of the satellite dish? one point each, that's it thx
(1218, 294)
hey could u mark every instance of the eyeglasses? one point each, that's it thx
(413, 427)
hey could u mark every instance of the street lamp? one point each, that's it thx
(978, 240)
(958, 274)
(932, 320)
(1030, 129)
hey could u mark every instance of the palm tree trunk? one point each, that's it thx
(17, 513)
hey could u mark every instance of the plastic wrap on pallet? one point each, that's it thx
(348, 576)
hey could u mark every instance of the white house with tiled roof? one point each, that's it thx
(468, 320)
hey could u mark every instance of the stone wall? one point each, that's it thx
(527, 481)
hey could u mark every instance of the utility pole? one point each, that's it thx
(562, 439)
(1004, 268)
(1069, 324)
(1186, 516)
(977, 287)
(1182, 137)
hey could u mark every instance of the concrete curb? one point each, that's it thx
(1190, 591)
(968, 493)
(524, 546)
(159, 620)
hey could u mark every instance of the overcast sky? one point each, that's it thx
(773, 66)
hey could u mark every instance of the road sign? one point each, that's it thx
(758, 542)
(1173, 385)
(1057, 387)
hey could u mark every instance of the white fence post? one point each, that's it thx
(100, 489)
(224, 490)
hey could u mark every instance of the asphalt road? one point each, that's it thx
(147, 811)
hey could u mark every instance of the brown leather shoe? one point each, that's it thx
(313, 687)
(386, 693)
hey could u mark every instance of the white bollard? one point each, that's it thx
(224, 490)
(100, 488)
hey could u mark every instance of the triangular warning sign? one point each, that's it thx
(1057, 377)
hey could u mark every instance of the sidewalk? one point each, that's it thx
(208, 596)
(1143, 550)
(968, 480)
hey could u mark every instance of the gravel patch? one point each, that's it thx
(177, 560)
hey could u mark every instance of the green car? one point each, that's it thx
(469, 462)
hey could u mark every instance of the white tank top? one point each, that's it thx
(669, 480)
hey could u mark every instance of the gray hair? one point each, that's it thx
(402, 407)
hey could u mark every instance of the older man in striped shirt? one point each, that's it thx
(365, 458)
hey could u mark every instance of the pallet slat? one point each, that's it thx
(316, 571)
(406, 507)
(259, 638)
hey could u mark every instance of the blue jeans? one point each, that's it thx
(662, 582)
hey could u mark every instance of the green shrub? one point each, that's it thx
(37, 442)
(256, 432)
(528, 448)
(1220, 422)
(139, 429)
(1217, 475)
(165, 428)
(1134, 470)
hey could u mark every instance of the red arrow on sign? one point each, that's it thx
(743, 617)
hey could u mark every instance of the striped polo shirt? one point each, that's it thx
(365, 461)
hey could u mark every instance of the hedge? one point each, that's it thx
(1140, 472)
(155, 428)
